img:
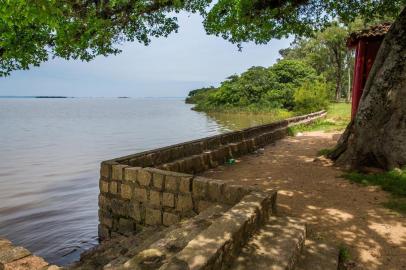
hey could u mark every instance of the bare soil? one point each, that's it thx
(336, 211)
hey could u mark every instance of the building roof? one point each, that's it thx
(371, 32)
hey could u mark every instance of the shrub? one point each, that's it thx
(311, 97)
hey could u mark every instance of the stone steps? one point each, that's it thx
(275, 246)
(152, 246)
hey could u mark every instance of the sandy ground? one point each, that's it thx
(336, 211)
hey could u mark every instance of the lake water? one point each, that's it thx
(50, 151)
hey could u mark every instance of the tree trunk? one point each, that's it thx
(377, 136)
(338, 87)
(337, 59)
(349, 70)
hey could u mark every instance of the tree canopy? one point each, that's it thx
(265, 89)
(32, 31)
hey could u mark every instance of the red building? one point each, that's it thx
(366, 44)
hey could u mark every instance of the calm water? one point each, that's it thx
(50, 151)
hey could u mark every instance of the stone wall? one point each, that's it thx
(213, 150)
(158, 187)
(133, 197)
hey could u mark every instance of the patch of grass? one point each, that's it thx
(324, 151)
(338, 117)
(343, 257)
(396, 204)
(344, 253)
(393, 182)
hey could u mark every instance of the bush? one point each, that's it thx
(265, 89)
(199, 95)
(311, 97)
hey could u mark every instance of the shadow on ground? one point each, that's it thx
(337, 212)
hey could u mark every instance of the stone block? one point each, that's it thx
(165, 155)
(113, 187)
(199, 187)
(105, 170)
(106, 221)
(126, 191)
(119, 207)
(180, 165)
(185, 203)
(153, 216)
(232, 194)
(251, 147)
(173, 166)
(203, 205)
(213, 143)
(242, 148)
(168, 199)
(234, 150)
(130, 173)
(126, 226)
(140, 194)
(144, 178)
(215, 190)
(205, 160)
(197, 164)
(185, 184)
(213, 163)
(170, 219)
(118, 172)
(12, 254)
(164, 167)
(104, 186)
(155, 198)
(171, 183)
(135, 212)
(104, 232)
(158, 181)
(27, 263)
(104, 202)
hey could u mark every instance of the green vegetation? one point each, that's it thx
(289, 85)
(324, 151)
(310, 97)
(198, 95)
(393, 182)
(343, 257)
(338, 117)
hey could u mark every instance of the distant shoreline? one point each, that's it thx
(35, 97)
(50, 97)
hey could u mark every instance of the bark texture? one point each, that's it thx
(377, 136)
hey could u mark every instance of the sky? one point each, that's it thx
(168, 67)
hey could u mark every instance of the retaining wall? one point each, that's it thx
(157, 187)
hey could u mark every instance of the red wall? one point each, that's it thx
(365, 54)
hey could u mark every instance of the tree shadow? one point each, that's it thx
(336, 211)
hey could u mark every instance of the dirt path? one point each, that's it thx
(336, 211)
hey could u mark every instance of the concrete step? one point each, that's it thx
(276, 246)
